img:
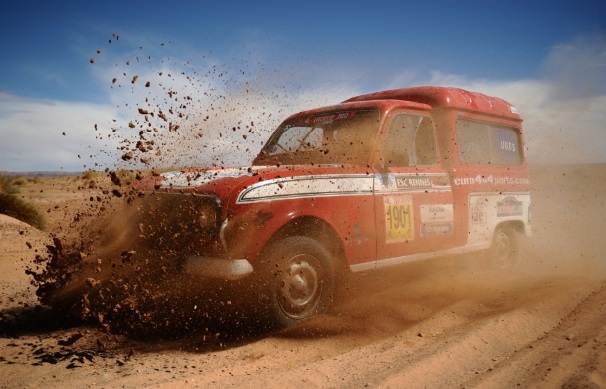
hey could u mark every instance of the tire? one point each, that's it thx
(300, 280)
(503, 252)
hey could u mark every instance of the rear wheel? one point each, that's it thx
(301, 279)
(504, 249)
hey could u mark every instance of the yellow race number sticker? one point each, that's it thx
(399, 220)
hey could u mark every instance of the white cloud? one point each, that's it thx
(578, 67)
(32, 134)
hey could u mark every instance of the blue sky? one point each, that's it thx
(246, 62)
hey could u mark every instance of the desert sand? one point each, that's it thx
(444, 323)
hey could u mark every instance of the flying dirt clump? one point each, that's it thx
(180, 112)
(127, 277)
(120, 270)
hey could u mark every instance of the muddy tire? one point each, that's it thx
(503, 252)
(300, 280)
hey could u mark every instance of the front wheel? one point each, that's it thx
(300, 279)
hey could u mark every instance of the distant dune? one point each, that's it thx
(40, 174)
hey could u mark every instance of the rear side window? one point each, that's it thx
(488, 144)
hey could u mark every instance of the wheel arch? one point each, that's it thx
(515, 225)
(317, 229)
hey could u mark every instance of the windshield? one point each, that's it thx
(334, 138)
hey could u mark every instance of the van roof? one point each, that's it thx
(444, 97)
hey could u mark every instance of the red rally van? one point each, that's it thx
(378, 180)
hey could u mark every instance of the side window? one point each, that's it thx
(473, 142)
(410, 141)
(487, 144)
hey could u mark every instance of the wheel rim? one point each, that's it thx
(503, 250)
(299, 286)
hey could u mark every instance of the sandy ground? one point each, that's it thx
(444, 323)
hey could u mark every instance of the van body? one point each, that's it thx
(377, 180)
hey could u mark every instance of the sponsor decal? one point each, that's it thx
(399, 219)
(436, 219)
(509, 206)
(413, 182)
(479, 207)
(478, 214)
(436, 228)
(327, 118)
(494, 180)
(436, 213)
(507, 146)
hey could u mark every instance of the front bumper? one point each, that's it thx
(219, 268)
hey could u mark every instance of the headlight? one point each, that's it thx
(208, 216)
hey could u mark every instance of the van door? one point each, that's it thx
(413, 194)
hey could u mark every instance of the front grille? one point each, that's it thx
(182, 224)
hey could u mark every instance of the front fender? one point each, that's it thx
(248, 228)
